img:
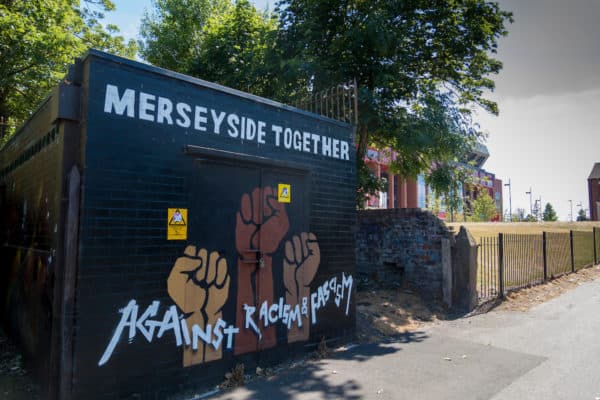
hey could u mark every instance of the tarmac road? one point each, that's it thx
(549, 352)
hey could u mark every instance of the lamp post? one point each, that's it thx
(509, 199)
(530, 205)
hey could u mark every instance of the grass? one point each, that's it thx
(481, 229)
(523, 255)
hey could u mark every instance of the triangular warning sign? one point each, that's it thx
(177, 218)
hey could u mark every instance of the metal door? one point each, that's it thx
(241, 221)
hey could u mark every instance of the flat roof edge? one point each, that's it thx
(207, 84)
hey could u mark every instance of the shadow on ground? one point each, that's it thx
(307, 379)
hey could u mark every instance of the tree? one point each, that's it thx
(549, 213)
(582, 215)
(38, 40)
(421, 66)
(531, 218)
(519, 215)
(234, 48)
(484, 208)
(226, 42)
(172, 31)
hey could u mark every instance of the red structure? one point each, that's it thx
(411, 193)
(594, 192)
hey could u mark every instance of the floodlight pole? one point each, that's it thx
(571, 215)
(530, 204)
(509, 199)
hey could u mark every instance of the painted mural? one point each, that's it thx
(201, 282)
(261, 224)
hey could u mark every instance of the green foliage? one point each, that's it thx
(38, 40)
(234, 48)
(549, 213)
(433, 202)
(369, 184)
(103, 37)
(172, 31)
(222, 41)
(519, 215)
(581, 215)
(530, 218)
(421, 66)
(484, 208)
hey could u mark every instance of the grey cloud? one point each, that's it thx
(553, 47)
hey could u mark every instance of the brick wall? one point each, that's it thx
(30, 203)
(135, 170)
(594, 193)
(407, 240)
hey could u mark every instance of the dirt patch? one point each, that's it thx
(15, 382)
(388, 313)
(385, 314)
(524, 299)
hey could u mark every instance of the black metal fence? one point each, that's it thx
(511, 261)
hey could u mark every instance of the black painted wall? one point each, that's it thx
(30, 215)
(135, 169)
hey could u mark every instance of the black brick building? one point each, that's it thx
(159, 229)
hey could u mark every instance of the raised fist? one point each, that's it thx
(199, 285)
(261, 225)
(300, 265)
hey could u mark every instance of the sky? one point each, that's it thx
(547, 135)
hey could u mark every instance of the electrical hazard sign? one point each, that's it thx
(284, 193)
(177, 223)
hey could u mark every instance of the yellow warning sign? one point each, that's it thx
(177, 223)
(284, 193)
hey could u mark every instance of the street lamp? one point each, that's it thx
(509, 199)
(530, 205)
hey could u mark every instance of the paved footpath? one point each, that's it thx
(550, 352)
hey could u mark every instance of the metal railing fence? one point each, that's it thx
(511, 261)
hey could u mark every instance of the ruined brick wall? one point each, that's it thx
(406, 240)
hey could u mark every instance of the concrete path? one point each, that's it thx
(549, 352)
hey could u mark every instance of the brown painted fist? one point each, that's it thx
(302, 258)
(261, 225)
(199, 285)
(300, 265)
(261, 218)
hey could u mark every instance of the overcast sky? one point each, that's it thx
(547, 135)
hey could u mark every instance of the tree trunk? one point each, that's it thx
(4, 115)
(363, 141)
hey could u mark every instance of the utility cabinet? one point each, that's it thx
(158, 229)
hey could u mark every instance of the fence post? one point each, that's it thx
(501, 265)
(572, 252)
(595, 245)
(545, 255)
